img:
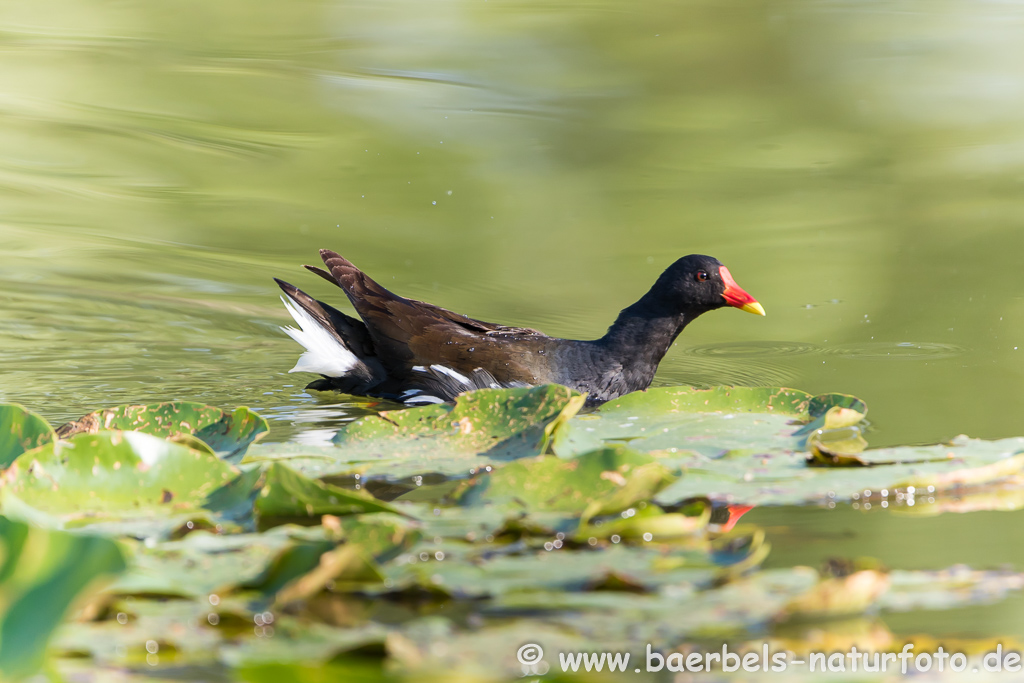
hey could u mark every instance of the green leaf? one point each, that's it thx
(228, 434)
(781, 477)
(345, 568)
(382, 536)
(483, 427)
(358, 670)
(838, 596)
(289, 564)
(286, 494)
(113, 474)
(649, 523)
(602, 481)
(708, 421)
(41, 573)
(21, 430)
(201, 563)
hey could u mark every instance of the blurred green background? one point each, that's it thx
(859, 166)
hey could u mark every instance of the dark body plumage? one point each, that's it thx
(417, 352)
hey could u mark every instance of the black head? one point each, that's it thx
(695, 284)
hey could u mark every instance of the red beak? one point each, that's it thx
(735, 296)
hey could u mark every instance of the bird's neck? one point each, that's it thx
(642, 334)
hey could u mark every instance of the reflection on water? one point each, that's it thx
(858, 167)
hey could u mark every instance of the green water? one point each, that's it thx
(858, 166)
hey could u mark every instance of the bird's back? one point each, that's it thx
(409, 334)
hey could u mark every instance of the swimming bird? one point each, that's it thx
(414, 352)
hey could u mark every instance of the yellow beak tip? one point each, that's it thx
(753, 307)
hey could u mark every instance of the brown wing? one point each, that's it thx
(408, 333)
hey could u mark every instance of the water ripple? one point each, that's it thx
(750, 349)
(872, 350)
(896, 351)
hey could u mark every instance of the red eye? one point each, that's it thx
(702, 275)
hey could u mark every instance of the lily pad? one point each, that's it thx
(21, 430)
(948, 588)
(601, 481)
(228, 434)
(112, 474)
(707, 421)
(838, 596)
(346, 567)
(483, 427)
(382, 536)
(469, 574)
(290, 563)
(41, 573)
(200, 564)
(780, 478)
(287, 494)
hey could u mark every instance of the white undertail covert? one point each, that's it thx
(325, 354)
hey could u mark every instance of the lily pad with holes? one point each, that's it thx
(111, 475)
(228, 434)
(599, 482)
(21, 430)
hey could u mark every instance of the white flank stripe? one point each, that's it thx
(458, 377)
(324, 355)
(423, 398)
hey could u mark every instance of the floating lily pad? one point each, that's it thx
(180, 630)
(484, 426)
(478, 574)
(594, 530)
(228, 434)
(647, 523)
(287, 565)
(602, 481)
(300, 642)
(21, 430)
(381, 536)
(784, 477)
(948, 588)
(346, 567)
(356, 670)
(287, 494)
(838, 596)
(202, 563)
(707, 421)
(112, 474)
(41, 573)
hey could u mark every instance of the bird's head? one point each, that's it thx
(698, 283)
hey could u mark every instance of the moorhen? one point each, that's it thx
(415, 352)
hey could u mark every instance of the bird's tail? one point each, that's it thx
(337, 346)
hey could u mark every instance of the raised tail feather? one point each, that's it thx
(337, 346)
